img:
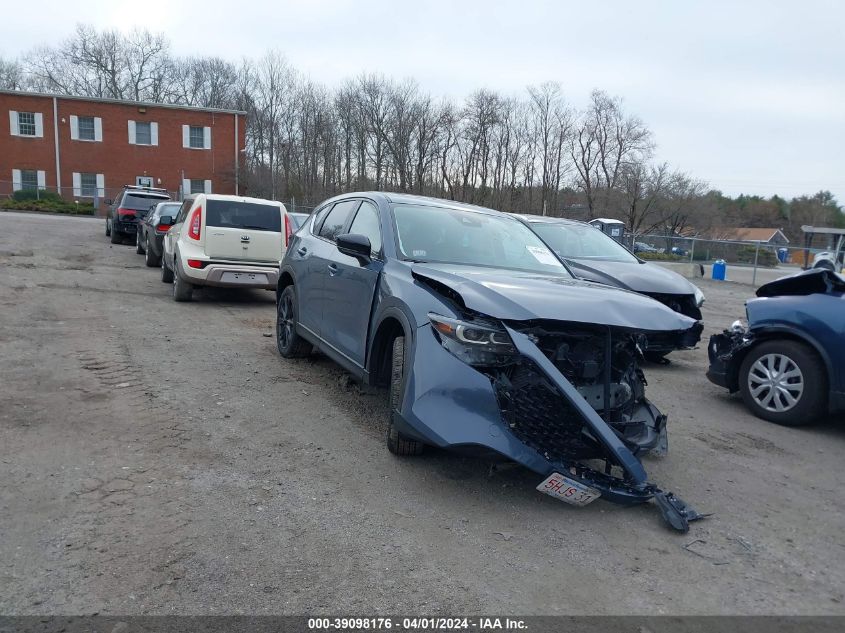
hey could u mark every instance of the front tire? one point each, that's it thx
(288, 342)
(784, 382)
(397, 443)
(138, 247)
(108, 228)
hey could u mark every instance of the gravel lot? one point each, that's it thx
(162, 458)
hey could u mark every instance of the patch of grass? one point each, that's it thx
(661, 257)
(51, 205)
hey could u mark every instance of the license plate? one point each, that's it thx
(244, 278)
(568, 490)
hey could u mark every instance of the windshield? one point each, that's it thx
(582, 241)
(243, 215)
(453, 236)
(140, 202)
(168, 209)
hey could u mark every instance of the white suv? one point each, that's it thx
(225, 241)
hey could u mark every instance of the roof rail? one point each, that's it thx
(140, 188)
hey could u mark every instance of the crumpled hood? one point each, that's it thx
(649, 278)
(523, 296)
(808, 282)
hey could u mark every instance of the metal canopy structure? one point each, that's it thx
(836, 241)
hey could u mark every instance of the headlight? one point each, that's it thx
(699, 296)
(478, 343)
(739, 326)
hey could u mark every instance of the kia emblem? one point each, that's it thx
(244, 238)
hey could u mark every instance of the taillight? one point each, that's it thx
(124, 213)
(195, 263)
(288, 230)
(163, 228)
(195, 227)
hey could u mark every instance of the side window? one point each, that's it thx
(366, 222)
(336, 219)
(186, 205)
(319, 216)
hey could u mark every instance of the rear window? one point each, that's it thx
(243, 215)
(140, 202)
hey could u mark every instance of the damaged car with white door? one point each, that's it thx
(485, 341)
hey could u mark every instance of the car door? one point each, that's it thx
(349, 289)
(318, 255)
(308, 276)
(172, 236)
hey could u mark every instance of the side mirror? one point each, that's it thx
(165, 219)
(109, 201)
(354, 245)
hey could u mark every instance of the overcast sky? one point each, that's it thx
(749, 96)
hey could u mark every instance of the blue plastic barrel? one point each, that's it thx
(720, 268)
(783, 253)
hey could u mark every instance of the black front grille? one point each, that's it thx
(540, 416)
(685, 304)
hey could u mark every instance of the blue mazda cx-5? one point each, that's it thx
(484, 340)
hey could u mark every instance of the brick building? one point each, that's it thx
(84, 148)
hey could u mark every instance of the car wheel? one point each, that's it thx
(149, 258)
(397, 443)
(289, 343)
(182, 290)
(784, 382)
(138, 248)
(108, 228)
(116, 236)
(166, 273)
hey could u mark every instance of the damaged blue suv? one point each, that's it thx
(485, 341)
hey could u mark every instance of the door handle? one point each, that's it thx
(302, 250)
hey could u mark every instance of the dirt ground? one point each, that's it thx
(162, 458)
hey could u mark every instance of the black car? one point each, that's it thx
(594, 256)
(485, 341)
(151, 230)
(124, 211)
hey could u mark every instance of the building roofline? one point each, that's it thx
(145, 104)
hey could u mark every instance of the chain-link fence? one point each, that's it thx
(744, 261)
(82, 199)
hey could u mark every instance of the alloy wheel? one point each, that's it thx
(775, 382)
(284, 324)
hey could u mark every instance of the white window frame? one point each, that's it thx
(17, 179)
(187, 190)
(14, 125)
(133, 139)
(98, 129)
(77, 186)
(186, 137)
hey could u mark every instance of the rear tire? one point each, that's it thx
(807, 387)
(150, 259)
(288, 342)
(138, 248)
(166, 273)
(397, 443)
(116, 237)
(182, 290)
